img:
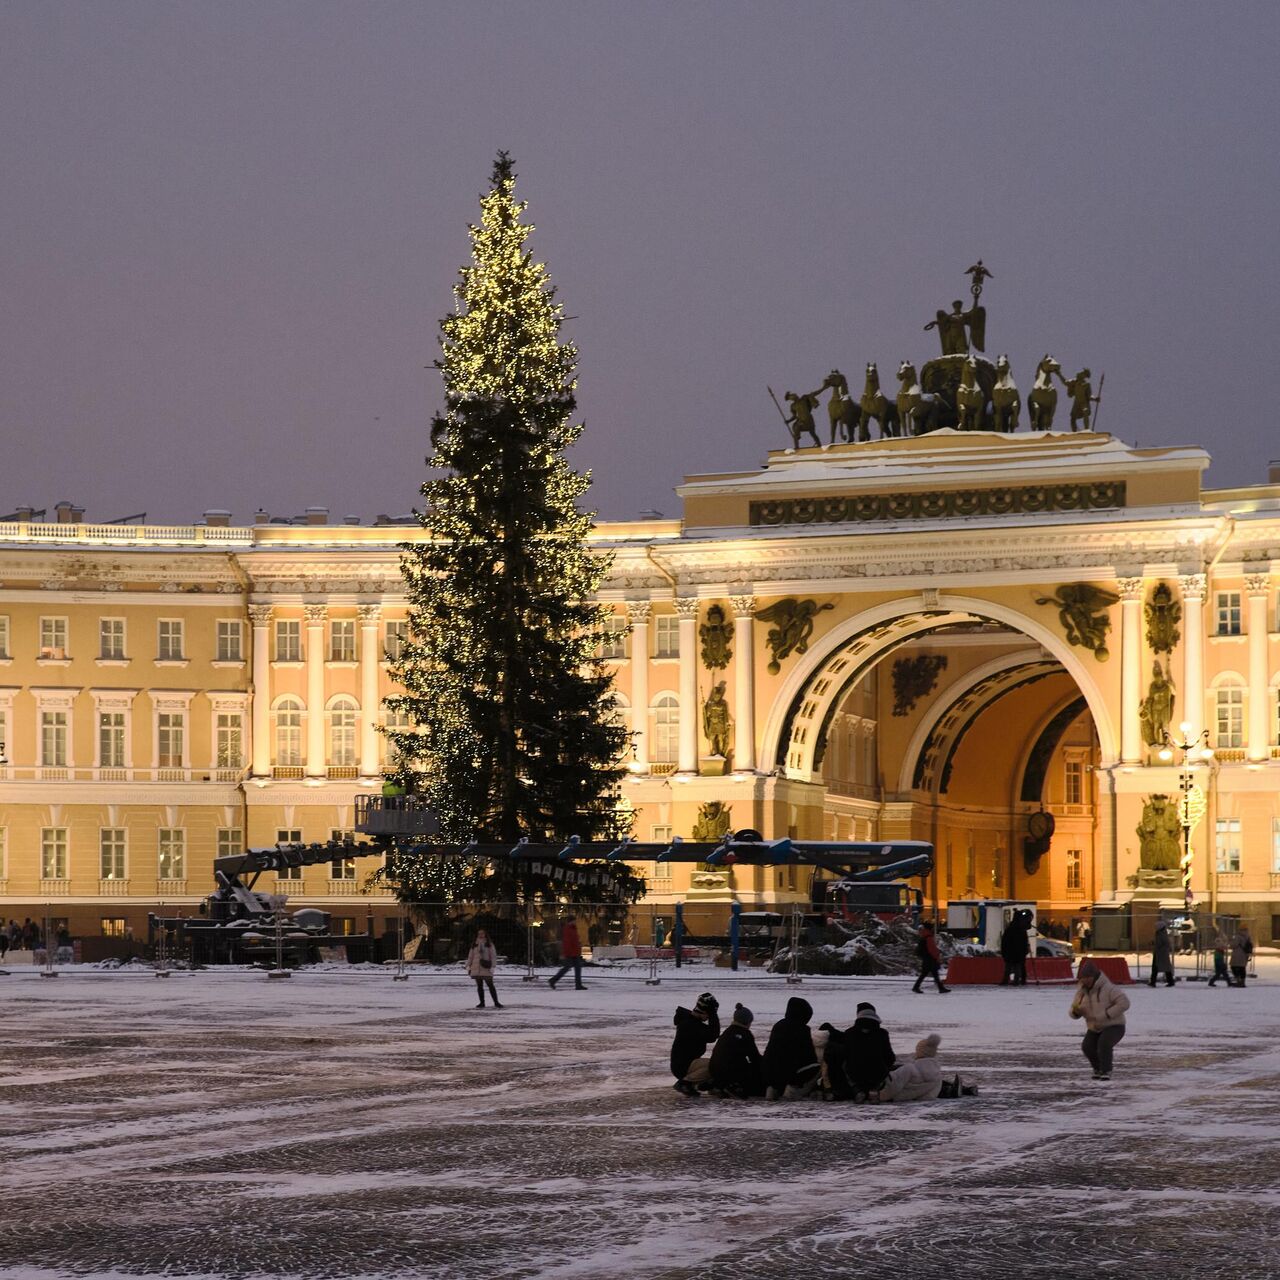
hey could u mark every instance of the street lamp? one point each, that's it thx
(1192, 805)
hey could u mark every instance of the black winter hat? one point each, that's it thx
(867, 1010)
(742, 1015)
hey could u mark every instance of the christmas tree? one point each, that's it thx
(511, 726)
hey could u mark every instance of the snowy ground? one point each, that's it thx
(342, 1124)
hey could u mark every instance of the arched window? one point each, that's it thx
(342, 733)
(396, 722)
(666, 729)
(288, 715)
(1229, 718)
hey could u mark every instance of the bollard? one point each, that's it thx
(677, 935)
(400, 975)
(793, 973)
(735, 925)
(531, 967)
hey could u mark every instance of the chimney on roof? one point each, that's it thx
(350, 519)
(69, 513)
(1273, 472)
(24, 514)
(381, 520)
(218, 517)
(317, 515)
(261, 517)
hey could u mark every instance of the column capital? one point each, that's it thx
(1130, 588)
(743, 606)
(638, 611)
(687, 606)
(315, 613)
(1194, 585)
(260, 614)
(369, 614)
(1257, 584)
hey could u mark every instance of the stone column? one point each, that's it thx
(1193, 590)
(744, 687)
(690, 712)
(1259, 586)
(638, 612)
(1130, 670)
(370, 653)
(315, 615)
(260, 616)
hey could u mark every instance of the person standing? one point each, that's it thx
(1102, 1005)
(1161, 955)
(481, 962)
(695, 1029)
(930, 959)
(1220, 972)
(570, 954)
(1241, 950)
(1014, 946)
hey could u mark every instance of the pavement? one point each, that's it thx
(340, 1124)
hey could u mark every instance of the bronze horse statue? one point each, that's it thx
(917, 409)
(875, 404)
(1006, 399)
(971, 400)
(1042, 403)
(842, 413)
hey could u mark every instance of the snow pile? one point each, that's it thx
(863, 948)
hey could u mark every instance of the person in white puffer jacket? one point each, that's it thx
(920, 1078)
(1102, 1006)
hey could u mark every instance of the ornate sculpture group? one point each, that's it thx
(961, 389)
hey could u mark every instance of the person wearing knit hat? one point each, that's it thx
(735, 1061)
(695, 1029)
(1102, 1005)
(859, 1059)
(920, 1078)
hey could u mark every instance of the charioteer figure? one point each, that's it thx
(1080, 389)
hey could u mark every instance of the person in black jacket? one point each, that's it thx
(1015, 944)
(930, 959)
(695, 1029)
(860, 1059)
(735, 1061)
(790, 1060)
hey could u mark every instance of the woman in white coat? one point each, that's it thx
(1102, 1005)
(920, 1078)
(481, 962)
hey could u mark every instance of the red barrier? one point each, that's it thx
(986, 971)
(1115, 967)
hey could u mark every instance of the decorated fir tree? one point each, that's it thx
(512, 733)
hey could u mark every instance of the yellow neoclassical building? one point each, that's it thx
(964, 637)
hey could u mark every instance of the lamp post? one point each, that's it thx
(1191, 807)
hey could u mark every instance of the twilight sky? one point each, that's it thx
(227, 230)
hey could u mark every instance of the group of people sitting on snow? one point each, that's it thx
(857, 1064)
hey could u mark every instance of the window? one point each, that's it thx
(666, 637)
(111, 843)
(230, 640)
(1228, 844)
(289, 732)
(1074, 782)
(666, 729)
(288, 640)
(613, 641)
(229, 740)
(171, 732)
(342, 733)
(111, 639)
(289, 835)
(1275, 844)
(53, 739)
(173, 853)
(342, 640)
(4, 852)
(660, 834)
(342, 868)
(53, 853)
(970, 869)
(1228, 611)
(5, 651)
(230, 841)
(113, 926)
(4, 737)
(398, 722)
(395, 635)
(1075, 869)
(950, 864)
(169, 646)
(1230, 703)
(111, 739)
(53, 637)
(343, 926)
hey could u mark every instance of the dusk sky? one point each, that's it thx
(228, 230)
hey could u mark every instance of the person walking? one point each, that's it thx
(1161, 955)
(481, 962)
(1102, 1005)
(570, 954)
(930, 960)
(1241, 950)
(1220, 972)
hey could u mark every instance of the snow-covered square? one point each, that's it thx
(343, 1124)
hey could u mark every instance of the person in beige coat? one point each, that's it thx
(1102, 1005)
(919, 1079)
(482, 960)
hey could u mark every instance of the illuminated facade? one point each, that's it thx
(166, 693)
